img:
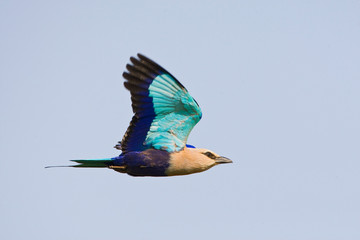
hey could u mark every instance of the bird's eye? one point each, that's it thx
(209, 155)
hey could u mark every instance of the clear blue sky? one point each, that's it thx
(279, 87)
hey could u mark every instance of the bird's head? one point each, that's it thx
(208, 155)
(192, 160)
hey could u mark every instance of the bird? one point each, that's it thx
(155, 143)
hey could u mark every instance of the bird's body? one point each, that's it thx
(164, 114)
(153, 162)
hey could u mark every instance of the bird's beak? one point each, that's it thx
(222, 160)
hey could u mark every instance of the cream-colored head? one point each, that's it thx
(193, 160)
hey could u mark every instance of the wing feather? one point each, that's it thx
(164, 111)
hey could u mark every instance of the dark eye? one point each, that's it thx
(210, 155)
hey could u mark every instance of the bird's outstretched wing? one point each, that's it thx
(165, 113)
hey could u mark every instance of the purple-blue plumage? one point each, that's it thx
(164, 114)
(150, 162)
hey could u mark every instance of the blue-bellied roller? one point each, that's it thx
(164, 114)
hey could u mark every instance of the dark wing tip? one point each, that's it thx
(146, 59)
(133, 60)
(125, 75)
(153, 65)
(140, 55)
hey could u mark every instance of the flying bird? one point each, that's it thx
(164, 115)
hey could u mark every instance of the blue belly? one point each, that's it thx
(150, 162)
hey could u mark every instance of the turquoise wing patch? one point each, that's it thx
(176, 115)
(165, 113)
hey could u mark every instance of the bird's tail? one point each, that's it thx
(90, 163)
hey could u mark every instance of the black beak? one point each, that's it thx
(222, 160)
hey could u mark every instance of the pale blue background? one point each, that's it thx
(278, 83)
